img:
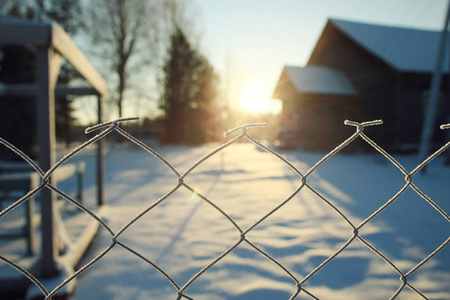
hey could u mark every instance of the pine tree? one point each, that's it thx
(189, 91)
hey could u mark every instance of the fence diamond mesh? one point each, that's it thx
(299, 282)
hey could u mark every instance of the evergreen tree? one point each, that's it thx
(189, 93)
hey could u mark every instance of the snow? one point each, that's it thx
(184, 233)
(404, 49)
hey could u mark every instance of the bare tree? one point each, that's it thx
(125, 34)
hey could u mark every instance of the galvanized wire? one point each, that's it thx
(114, 126)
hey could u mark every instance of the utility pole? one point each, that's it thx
(428, 125)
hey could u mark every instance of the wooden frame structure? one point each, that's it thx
(51, 44)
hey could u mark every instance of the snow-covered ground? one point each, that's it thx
(184, 233)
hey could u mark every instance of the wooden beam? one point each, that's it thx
(25, 33)
(64, 45)
(55, 67)
(46, 155)
(18, 90)
(31, 90)
(40, 34)
(61, 91)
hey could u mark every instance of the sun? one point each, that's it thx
(254, 98)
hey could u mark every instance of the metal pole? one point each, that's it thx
(100, 144)
(447, 109)
(46, 155)
(427, 130)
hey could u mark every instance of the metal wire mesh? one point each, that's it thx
(303, 184)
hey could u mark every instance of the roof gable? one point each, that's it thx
(405, 49)
(313, 80)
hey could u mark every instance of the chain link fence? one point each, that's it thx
(242, 131)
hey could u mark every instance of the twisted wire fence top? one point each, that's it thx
(242, 132)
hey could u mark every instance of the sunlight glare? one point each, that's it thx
(254, 98)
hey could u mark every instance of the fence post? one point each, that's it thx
(432, 103)
(46, 140)
(100, 143)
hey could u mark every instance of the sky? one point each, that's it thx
(249, 41)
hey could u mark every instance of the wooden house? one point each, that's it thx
(384, 73)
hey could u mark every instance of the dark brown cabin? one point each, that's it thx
(391, 70)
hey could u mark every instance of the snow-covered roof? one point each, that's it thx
(317, 80)
(404, 49)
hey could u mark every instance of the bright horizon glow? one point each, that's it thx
(254, 39)
(254, 98)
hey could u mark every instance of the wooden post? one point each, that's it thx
(29, 225)
(52, 43)
(46, 140)
(100, 144)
